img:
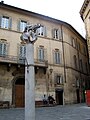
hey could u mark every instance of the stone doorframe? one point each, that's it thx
(13, 88)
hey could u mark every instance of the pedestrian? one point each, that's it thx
(45, 100)
(51, 99)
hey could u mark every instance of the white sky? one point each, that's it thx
(65, 10)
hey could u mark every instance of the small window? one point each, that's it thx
(59, 79)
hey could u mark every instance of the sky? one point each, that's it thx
(65, 10)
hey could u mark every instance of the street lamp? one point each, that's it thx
(29, 36)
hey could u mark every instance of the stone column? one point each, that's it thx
(29, 83)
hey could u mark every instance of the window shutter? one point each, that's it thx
(4, 49)
(55, 79)
(61, 79)
(45, 32)
(7, 48)
(18, 47)
(60, 34)
(0, 48)
(10, 23)
(0, 20)
(38, 31)
(45, 54)
(18, 26)
(53, 33)
(53, 56)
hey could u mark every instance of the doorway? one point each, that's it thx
(20, 92)
(78, 95)
(59, 96)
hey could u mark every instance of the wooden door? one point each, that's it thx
(19, 95)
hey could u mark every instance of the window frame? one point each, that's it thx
(41, 53)
(57, 56)
(5, 22)
(3, 51)
(59, 79)
(41, 31)
(22, 25)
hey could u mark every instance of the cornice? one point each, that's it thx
(83, 8)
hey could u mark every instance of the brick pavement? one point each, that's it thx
(68, 112)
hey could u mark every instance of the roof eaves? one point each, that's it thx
(2, 5)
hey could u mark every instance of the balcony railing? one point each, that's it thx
(21, 60)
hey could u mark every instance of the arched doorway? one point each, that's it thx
(19, 88)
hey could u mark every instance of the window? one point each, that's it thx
(5, 22)
(56, 34)
(73, 42)
(41, 31)
(59, 79)
(57, 57)
(84, 50)
(3, 49)
(75, 61)
(41, 54)
(77, 82)
(22, 25)
(86, 67)
(81, 65)
(78, 46)
(22, 53)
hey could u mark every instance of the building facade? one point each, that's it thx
(85, 15)
(60, 57)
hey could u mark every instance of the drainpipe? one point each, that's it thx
(63, 63)
(63, 55)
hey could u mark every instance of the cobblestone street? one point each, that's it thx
(68, 112)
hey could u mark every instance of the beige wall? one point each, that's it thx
(45, 83)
